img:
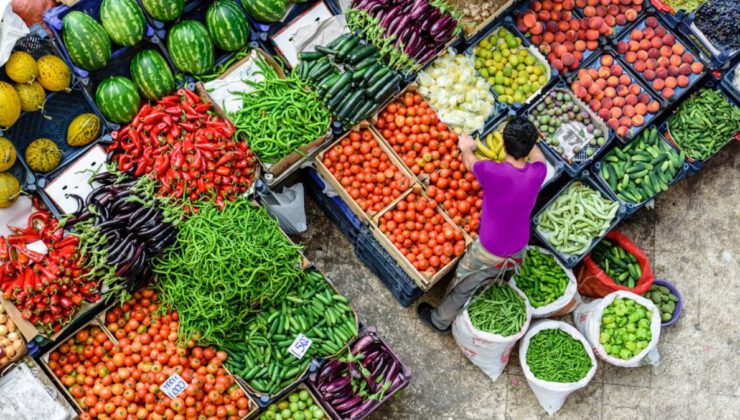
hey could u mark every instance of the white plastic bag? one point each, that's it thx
(490, 352)
(565, 303)
(288, 207)
(12, 28)
(552, 395)
(587, 318)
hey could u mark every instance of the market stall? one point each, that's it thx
(143, 270)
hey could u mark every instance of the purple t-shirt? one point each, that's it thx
(509, 195)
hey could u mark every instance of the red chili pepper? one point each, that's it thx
(153, 118)
(187, 126)
(46, 272)
(36, 201)
(25, 238)
(223, 170)
(35, 256)
(192, 95)
(68, 240)
(227, 157)
(201, 108)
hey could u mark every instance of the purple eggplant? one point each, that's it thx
(414, 41)
(392, 370)
(337, 385)
(398, 25)
(349, 404)
(441, 25)
(362, 344)
(361, 410)
(418, 8)
(390, 16)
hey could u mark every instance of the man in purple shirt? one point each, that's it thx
(509, 194)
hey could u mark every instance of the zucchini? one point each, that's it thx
(367, 62)
(361, 112)
(350, 104)
(375, 77)
(320, 71)
(361, 53)
(325, 50)
(381, 84)
(328, 81)
(372, 71)
(339, 97)
(347, 48)
(359, 75)
(344, 80)
(339, 40)
(386, 90)
(311, 56)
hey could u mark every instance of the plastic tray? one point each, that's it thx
(369, 331)
(728, 87)
(595, 62)
(385, 267)
(570, 260)
(619, 29)
(719, 54)
(698, 56)
(264, 401)
(630, 207)
(557, 165)
(583, 160)
(54, 20)
(336, 209)
(508, 24)
(264, 29)
(524, 6)
(60, 110)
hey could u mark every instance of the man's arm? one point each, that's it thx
(467, 146)
(535, 155)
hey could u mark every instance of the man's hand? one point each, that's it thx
(466, 143)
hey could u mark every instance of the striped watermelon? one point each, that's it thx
(152, 74)
(227, 25)
(191, 47)
(86, 41)
(164, 10)
(123, 20)
(266, 10)
(118, 99)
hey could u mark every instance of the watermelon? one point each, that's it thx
(152, 74)
(190, 47)
(266, 10)
(118, 99)
(86, 41)
(164, 10)
(123, 20)
(227, 25)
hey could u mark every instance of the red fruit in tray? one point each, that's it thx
(592, 2)
(634, 89)
(619, 102)
(658, 84)
(555, 15)
(543, 15)
(581, 4)
(687, 57)
(622, 90)
(660, 31)
(610, 92)
(551, 27)
(622, 131)
(697, 67)
(625, 122)
(575, 24)
(612, 81)
(669, 39)
(649, 75)
(630, 100)
(536, 5)
(557, 65)
(613, 123)
(638, 120)
(668, 93)
(644, 44)
(648, 33)
(600, 11)
(568, 4)
(656, 43)
(607, 60)
(595, 105)
(529, 19)
(663, 62)
(625, 2)
(580, 45)
(653, 107)
(568, 59)
(628, 111)
(560, 37)
(571, 37)
(536, 39)
(631, 15)
(684, 69)
(615, 112)
(596, 22)
(643, 98)
(673, 71)
(654, 53)
(620, 20)
(630, 56)
(601, 83)
(651, 22)
(621, 47)
(642, 55)
(605, 2)
(651, 63)
(559, 50)
(589, 11)
(661, 72)
(609, 21)
(636, 35)
(670, 82)
(592, 45)
(678, 49)
(594, 89)
(563, 26)
(548, 37)
(592, 34)
(625, 80)
(683, 81)
(641, 109)
(521, 26)
(633, 46)
(537, 29)
(666, 51)
(607, 104)
(604, 113)
(579, 90)
(604, 72)
(612, 10)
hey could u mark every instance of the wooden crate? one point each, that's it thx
(331, 180)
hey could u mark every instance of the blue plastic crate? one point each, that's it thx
(54, 20)
(595, 62)
(631, 207)
(698, 55)
(582, 160)
(52, 123)
(337, 211)
(385, 267)
(730, 90)
(720, 55)
(265, 29)
(121, 66)
(569, 260)
(508, 24)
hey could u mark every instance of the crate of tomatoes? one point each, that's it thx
(364, 171)
(125, 365)
(420, 237)
(428, 147)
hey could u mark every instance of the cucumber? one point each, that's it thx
(375, 77)
(310, 56)
(381, 84)
(361, 53)
(347, 48)
(325, 50)
(349, 104)
(344, 80)
(386, 90)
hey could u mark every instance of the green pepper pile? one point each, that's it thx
(498, 310)
(625, 328)
(541, 278)
(555, 356)
(664, 300)
(619, 264)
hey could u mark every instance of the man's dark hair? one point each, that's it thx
(520, 135)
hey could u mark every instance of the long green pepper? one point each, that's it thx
(541, 278)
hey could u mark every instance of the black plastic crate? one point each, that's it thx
(52, 123)
(720, 55)
(337, 211)
(54, 20)
(385, 267)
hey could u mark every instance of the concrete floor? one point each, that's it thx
(692, 238)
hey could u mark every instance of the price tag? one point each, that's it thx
(571, 135)
(300, 346)
(173, 386)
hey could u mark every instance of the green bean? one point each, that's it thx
(278, 115)
(541, 278)
(555, 356)
(498, 309)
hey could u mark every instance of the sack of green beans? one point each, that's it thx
(623, 329)
(551, 288)
(493, 320)
(616, 263)
(556, 360)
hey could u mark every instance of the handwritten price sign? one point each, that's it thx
(300, 346)
(173, 386)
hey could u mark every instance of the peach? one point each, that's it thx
(536, 5)
(557, 65)
(579, 91)
(653, 107)
(636, 35)
(635, 89)
(589, 11)
(619, 101)
(586, 81)
(661, 73)
(649, 75)
(604, 113)
(594, 89)
(555, 15)
(660, 31)
(644, 44)
(642, 55)
(648, 33)
(620, 20)
(669, 39)
(630, 100)
(580, 46)
(643, 98)
(628, 111)
(668, 93)
(656, 42)
(613, 123)
(675, 60)
(673, 71)
(631, 57)
(666, 51)
(560, 37)
(595, 105)
(592, 2)
(658, 84)
(687, 58)
(600, 11)
(570, 36)
(630, 14)
(607, 104)
(592, 45)
(601, 83)
(615, 112)
(621, 47)
(625, 79)
(612, 81)
(653, 53)
(548, 37)
(622, 131)
(622, 90)
(563, 26)
(551, 27)
(582, 73)
(638, 120)
(604, 72)
(697, 67)
(617, 70)
(663, 62)
(581, 3)
(596, 22)
(651, 22)
(536, 39)
(543, 15)
(678, 49)
(612, 10)
(578, 56)
(610, 92)
(592, 34)
(682, 81)
(625, 122)
(684, 69)
(670, 82)
(641, 109)
(651, 64)
(610, 21)
(575, 25)
(559, 50)
(568, 4)
(568, 60)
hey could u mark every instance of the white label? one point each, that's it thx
(292, 34)
(571, 135)
(173, 386)
(74, 179)
(300, 346)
